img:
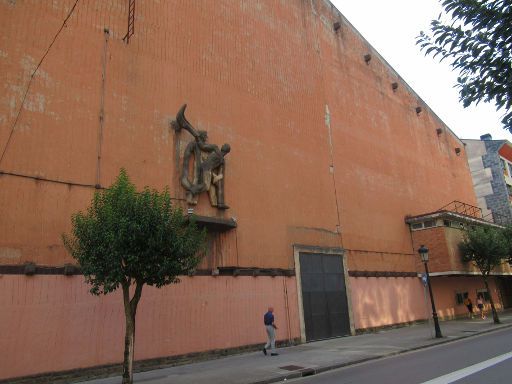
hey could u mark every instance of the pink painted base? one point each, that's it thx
(383, 301)
(378, 302)
(52, 323)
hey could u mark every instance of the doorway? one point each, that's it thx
(324, 296)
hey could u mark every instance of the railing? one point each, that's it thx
(462, 208)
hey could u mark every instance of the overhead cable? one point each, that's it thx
(32, 77)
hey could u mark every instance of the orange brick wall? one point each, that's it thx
(441, 257)
(320, 141)
(381, 261)
(324, 152)
(390, 161)
(381, 301)
(70, 328)
(444, 254)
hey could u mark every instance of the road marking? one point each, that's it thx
(461, 373)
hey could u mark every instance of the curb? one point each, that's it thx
(313, 371)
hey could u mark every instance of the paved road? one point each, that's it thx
(482, 359)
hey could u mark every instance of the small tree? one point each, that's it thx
(477, 42)
(128, 238)
(508, 237)
(487, 248)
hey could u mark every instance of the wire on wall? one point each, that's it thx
(106, 33)
(32, 77)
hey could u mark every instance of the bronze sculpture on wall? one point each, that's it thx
(208, 167)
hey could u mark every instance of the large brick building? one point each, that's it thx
(334, 163)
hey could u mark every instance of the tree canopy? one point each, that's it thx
(487, 248)
(130, 238)
(508, 237)
(477, 42)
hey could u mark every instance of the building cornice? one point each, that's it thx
(466, 273)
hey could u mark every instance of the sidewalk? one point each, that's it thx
(316, 357)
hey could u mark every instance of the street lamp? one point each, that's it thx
(423, 251)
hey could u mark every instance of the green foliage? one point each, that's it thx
(128, 236)
(508, 236)
(486, 247)
(478, 44)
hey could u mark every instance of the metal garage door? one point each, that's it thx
(324, 296)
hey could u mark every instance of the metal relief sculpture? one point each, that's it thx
(207, 167)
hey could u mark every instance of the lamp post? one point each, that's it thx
(423, 251)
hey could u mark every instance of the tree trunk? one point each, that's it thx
(493, 309)
(130, 308)
(129, 344)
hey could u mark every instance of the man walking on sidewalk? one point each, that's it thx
(270, 327)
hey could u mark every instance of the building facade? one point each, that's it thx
(490, 162)
(453, 278)
(331, 152)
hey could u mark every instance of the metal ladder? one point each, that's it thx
(131, 21)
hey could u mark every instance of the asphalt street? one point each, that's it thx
(485, 358)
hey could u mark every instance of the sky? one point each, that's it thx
(391, 27)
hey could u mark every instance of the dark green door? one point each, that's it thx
(324, 296)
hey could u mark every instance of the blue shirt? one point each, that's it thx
(268, 319)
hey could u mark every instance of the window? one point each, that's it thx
(459, 297)
(484, 293)
(424, 225)
(447, 223)
(429, 224)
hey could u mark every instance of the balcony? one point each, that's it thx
(442, 231)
